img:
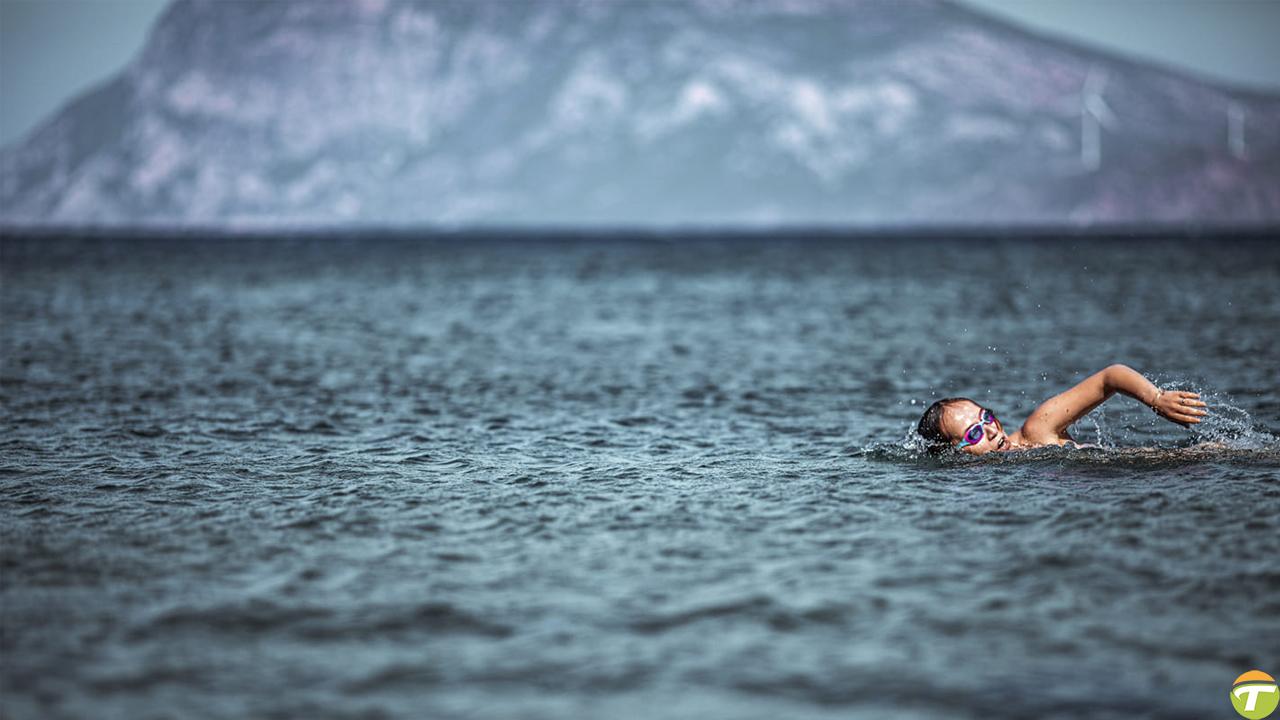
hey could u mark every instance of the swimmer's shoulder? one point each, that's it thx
(1021, 440)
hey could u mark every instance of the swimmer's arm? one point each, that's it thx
(1050, 421)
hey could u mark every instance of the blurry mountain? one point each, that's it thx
(397, 113)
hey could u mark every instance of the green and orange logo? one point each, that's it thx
(1254, 695)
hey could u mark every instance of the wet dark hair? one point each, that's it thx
(930, 426)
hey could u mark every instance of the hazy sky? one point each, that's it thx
(1231, 40)
(51, 50)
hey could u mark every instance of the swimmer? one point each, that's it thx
(965, 425)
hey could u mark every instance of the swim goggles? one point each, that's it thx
(976, 431)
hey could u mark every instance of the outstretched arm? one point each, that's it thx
(1050, 421)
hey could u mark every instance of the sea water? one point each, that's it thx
(602, 477)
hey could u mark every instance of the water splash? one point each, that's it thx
(1102, 429)
(1230, 426)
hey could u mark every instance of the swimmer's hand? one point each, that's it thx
(1184, 408)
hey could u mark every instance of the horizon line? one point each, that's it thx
(1128, 230)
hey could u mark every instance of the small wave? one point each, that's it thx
(320, 427)
(149, 431)
(397, 675)
(251, 617)
(433, 617)
(314, 622)
(635, 420)
(662, 622)
(777, 616)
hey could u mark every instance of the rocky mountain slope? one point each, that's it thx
(622, 112)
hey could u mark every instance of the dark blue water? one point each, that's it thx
(466, 478)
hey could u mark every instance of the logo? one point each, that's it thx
(1254, 695)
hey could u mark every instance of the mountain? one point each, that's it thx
(708, 112)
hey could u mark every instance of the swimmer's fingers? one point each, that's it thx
(1191, 400)
(1190, 405)
(1181, 407)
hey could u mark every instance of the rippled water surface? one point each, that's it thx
(601, 478)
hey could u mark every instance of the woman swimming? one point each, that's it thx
(968, 427)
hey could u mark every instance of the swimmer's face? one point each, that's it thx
(962, 417)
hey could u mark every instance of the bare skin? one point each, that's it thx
(1048, 423)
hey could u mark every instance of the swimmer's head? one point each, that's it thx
(962, 424)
